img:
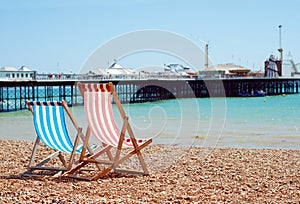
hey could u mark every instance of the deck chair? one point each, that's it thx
(101, 123)
(50, 126)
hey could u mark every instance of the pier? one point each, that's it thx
(13, 94)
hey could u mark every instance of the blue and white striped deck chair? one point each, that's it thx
(50, 126)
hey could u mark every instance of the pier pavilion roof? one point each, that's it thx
(9, 69)
(120, 71)
(115, 69)
(115, 66)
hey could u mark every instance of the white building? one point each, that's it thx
(116, 71)
(13, 74)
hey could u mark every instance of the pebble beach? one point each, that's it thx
(196, 175)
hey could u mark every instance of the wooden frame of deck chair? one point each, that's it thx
(50, 126)
(101, 123)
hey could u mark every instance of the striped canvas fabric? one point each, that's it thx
(98, 109)
(96, 87)
(50, 126)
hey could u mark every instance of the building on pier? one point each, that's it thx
(115, 71)
(228, 70)
(12, 73)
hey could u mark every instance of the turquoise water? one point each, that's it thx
(261, 122)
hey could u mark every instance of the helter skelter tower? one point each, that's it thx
(280, 50)
(273, 66)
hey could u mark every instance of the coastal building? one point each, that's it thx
(115, 71)
(8, 73)
(180, 70)
(228, 70)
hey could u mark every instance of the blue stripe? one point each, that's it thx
(44, 109)
(39, 120)
(68, 146)
(63, 124)
(59, 123)
(79, 149)
(44, 125)
(55, 131)
(38, 110)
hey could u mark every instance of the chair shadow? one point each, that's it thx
(64, 179)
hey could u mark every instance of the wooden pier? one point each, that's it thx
(13, 94)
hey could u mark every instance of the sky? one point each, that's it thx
(60, 35)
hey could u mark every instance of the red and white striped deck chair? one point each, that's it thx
(101, 123)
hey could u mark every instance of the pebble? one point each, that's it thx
(177, 175)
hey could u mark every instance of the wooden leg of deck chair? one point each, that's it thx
(103, 173)
(85, 144)
(62, 159)
(36, 144)
(142, 162)
(109, 154)
(55, 154)
(40, 166)
(71, 173)
(72, 157)
(94, 156)
(87, 147)
(120, 143)
(90, 159)
(133, 152)
(74, 169)
(138, 148)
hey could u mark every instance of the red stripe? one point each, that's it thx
(115, 130)
(108, 88)
(88, 87)
(92, 120)
(98, 125)
(98, 108)
(102, 88)
(96, 87)
(109, 134)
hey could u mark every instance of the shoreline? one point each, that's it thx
(177, 174)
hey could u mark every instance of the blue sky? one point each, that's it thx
(59, 35)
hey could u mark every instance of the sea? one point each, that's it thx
(271, 122)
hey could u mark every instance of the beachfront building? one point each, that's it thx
(228, 70)
(115, 71)
(8, 73)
